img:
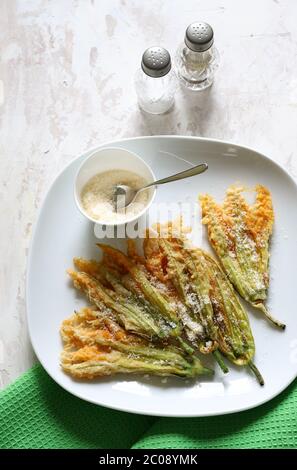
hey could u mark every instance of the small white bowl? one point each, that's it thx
(112, 158)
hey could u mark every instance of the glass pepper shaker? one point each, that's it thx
(197, 58)
(155, 81)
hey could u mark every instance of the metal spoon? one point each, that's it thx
(124, 195)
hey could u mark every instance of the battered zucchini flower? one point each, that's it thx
(206, 291)
(96, 345)
(240, 234)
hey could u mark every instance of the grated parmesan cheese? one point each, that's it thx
(97, 196)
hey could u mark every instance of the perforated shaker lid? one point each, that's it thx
(199, 36)
(156, 61)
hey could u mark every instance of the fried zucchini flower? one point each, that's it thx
(205, 290)
(240, 235)
(95, 345)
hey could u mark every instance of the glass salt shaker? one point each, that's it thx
(155, 81)
(197, 58)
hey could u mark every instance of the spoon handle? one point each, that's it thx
(195, 170)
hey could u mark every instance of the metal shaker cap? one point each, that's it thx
(156, 62)
(199, 36)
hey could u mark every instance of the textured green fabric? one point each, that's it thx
(272, 425)
(37, 413)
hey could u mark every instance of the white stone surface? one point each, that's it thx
(66, 84)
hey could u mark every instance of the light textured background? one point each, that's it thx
(66, 84)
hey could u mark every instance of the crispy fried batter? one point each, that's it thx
(95, 345)
(240, 234)
(145, 306)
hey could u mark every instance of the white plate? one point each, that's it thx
(62, 232)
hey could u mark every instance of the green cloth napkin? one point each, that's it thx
(36, 413)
